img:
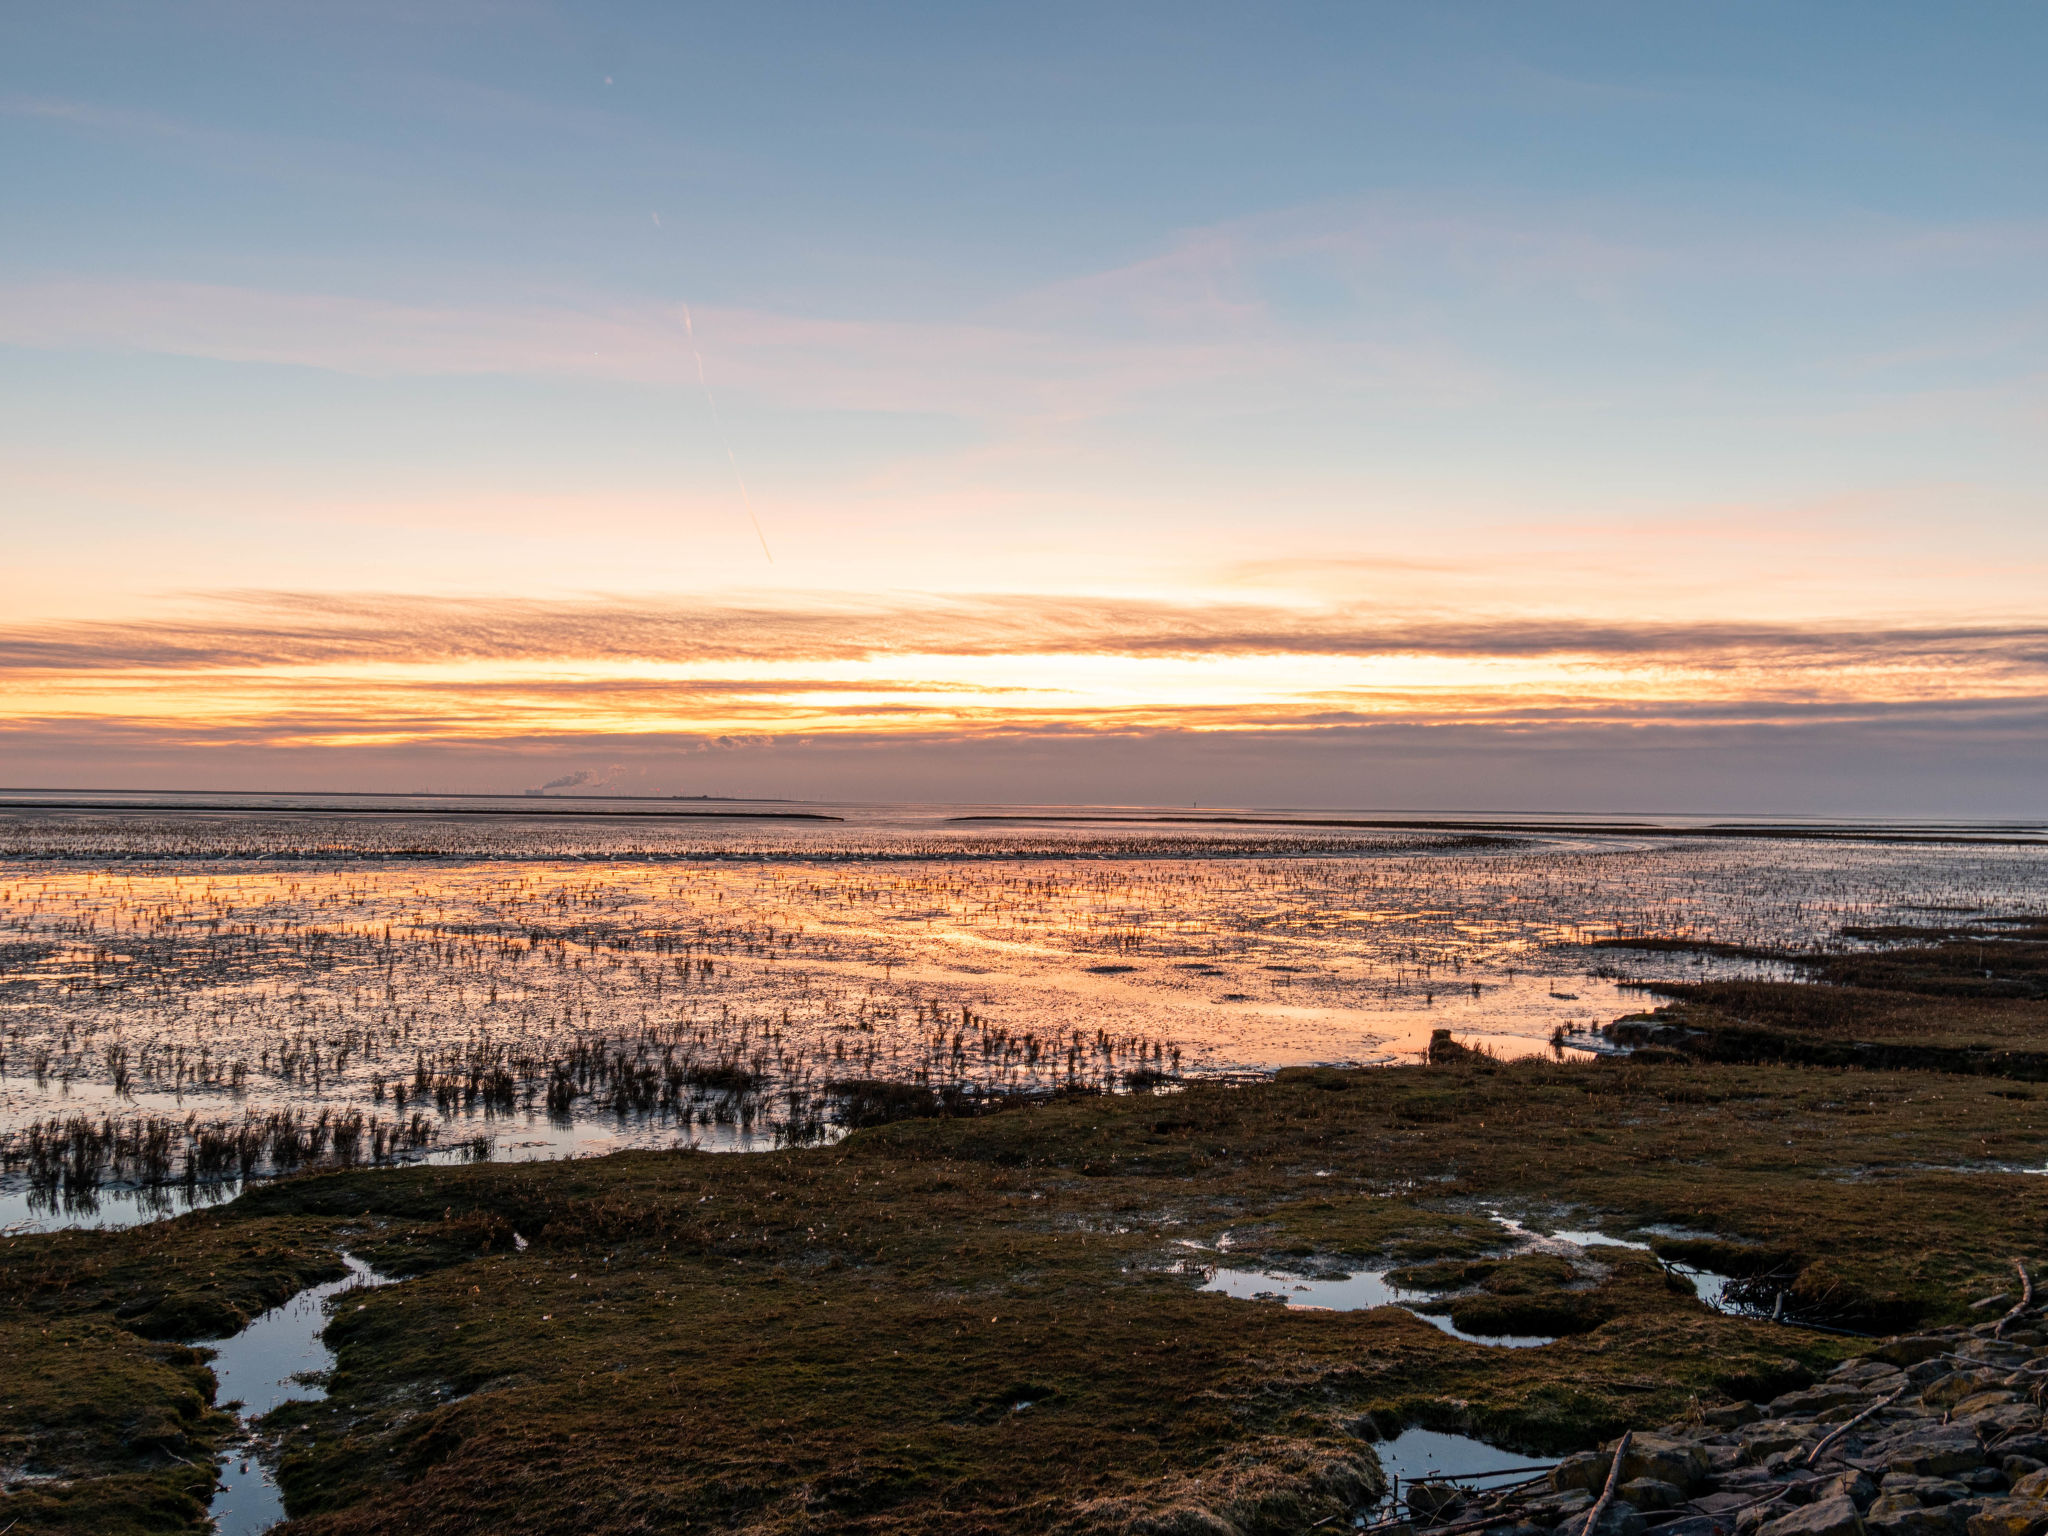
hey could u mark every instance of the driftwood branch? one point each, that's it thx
(1613, 1481)
(1498, 1500)
(2023, 1305)
(1813, 1456)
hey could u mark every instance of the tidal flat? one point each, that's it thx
(188, 1001)
(1012, 1308)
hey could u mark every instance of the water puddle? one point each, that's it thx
(277, 1358)
(1709, 1286)
(1428, 1455)
(1540, 1242)
(1369, 1288)
(1352, 1293)
(1415, 1455)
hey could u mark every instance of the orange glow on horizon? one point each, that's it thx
(913, 693)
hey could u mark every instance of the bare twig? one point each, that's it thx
(1813, 1456)
(1496, 1501)
(1613, 1481)
(2021, 1306)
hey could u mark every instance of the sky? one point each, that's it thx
(1401, 406)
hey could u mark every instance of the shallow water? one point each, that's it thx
(1352, 1293)
(1421, 1455)
(303, 958)
(1418, 1454)
(1709, 1286)
(260, 1367)
(1369, 1288)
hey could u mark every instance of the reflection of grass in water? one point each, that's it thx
(66, 1159)
(661, 997)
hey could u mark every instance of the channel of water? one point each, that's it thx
(278, 1357)
(1366, 1289)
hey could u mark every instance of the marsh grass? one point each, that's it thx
(1965, 998)
(840, 1337)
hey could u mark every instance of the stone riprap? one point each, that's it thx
(1959, 1449)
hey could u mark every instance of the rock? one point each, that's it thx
(2011, 1517)
(2034, 1446)
(1935, 1453)
(1990, 1397)
(1697, 1525)
(1658, 1457)
(1751, 1482)
(1651, 1493)
(1924, 1490)
(1665, 1460)
(1820, 1399)
(1865, 1369)
(2029, 1485)
(1567, 1510)
(2018, 1468)
(1430, 1501)
(1929, 1370)
(1775, 1436)
(1957, 1385)
(1855, 1486)
(1825, 1517)
(1804, 1485)
(1586, 1472)
(1909, 1519)
(1514, 1530)
(1733, 1415)
(1912, 1349)
(1556, 1507)
(2003, 1419)
(1993, 1351)
(1983, 1480)
(1722, 1506)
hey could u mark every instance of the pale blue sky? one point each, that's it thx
(1598, 313)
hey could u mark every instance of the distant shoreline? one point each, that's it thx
(406, 810)
(1789, 831)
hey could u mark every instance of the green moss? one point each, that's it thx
(104, 1431)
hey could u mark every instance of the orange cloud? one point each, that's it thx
(341, 670)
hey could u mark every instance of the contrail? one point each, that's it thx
(746, 500)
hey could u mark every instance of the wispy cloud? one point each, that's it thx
(285, 629)
(1418, 302)
(340, 669)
